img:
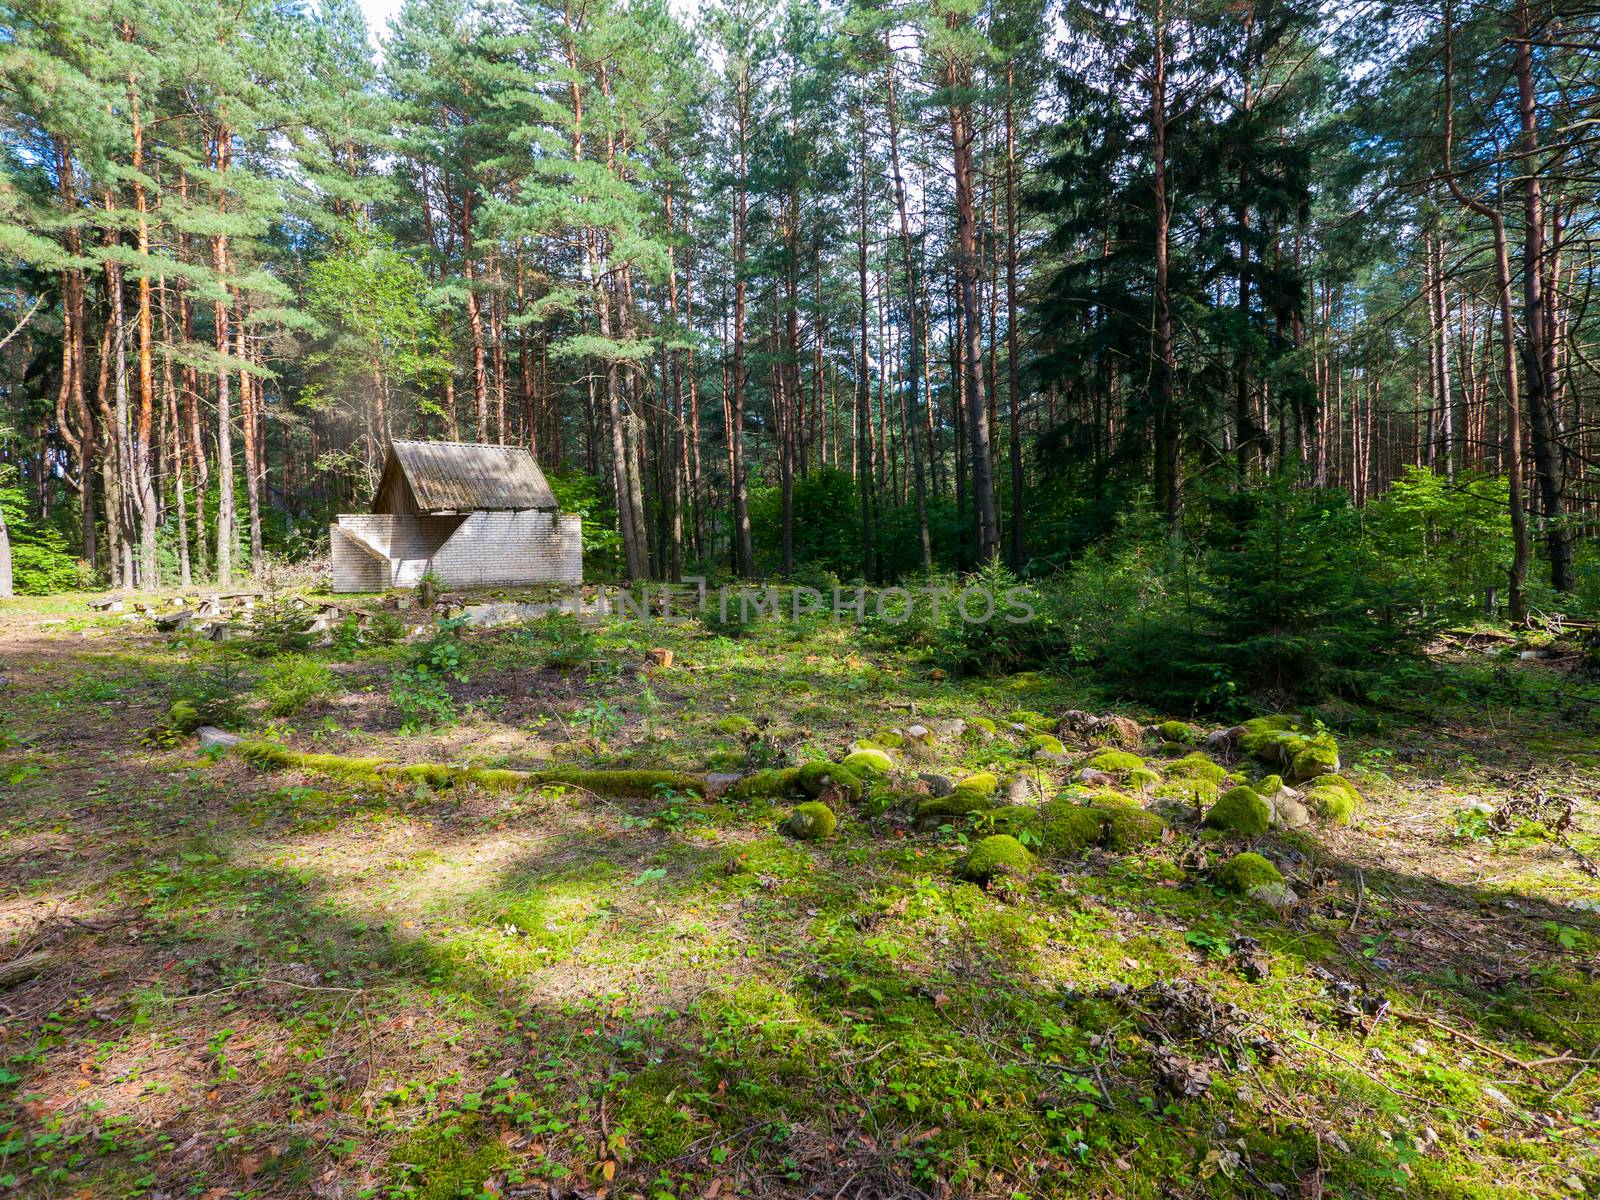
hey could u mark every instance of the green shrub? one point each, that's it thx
(214, 689)
(41, 562)
(278, 625)
(422, 698)
(1022, 632)
(384, 628)
(291, 682)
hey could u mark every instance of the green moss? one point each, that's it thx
(1240, 811)
(1031, 721)
(979, 729)
(1316, 756)
(1015, 819)
(1196, 766)
(1178, 731)
(1143, 778)
(889, 739)
(999, 853)
(817, 777)
(435, 775)
(736, 725)
(1044, 743)
(775, 781)
(1243, 873)
(619, 783)
(1188, 791)
(1068, 827)
(960, 802)
(869, 762)
(1115, 762)
(1333, 803)
(811, 822)
(983, 781)
(1269, 785)
(651, 1111)
(1124, 825)
(444, 1161)
(183, 717)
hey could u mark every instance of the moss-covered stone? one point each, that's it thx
(736, 725)
(959, 803)
(183, 717)
(868, 761)
(1068, 827)
(1243, 873)
(1337, 803)
(1115, 762)
(811, 821)
(1124, 825)
(1240, 811)
(1143, 779)
(774, 781)
(1269, 785)
(1316, 756)
(889, 739)
(1196, 766)
(1178, 731)
(981, 781)
(817, 777)
(979, 729)
(1015, 819)
(997, 854)
(1044, 743)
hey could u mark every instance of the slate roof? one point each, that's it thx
(468, 476)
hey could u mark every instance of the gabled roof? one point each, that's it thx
(466, 476)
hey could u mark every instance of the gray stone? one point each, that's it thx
(719, 782)
(1275, 895)
(212, 738)
(938, 785)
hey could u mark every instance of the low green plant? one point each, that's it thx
(422, 697)
(292, 681)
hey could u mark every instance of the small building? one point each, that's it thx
(472, 515)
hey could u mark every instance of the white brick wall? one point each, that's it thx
(480, 549)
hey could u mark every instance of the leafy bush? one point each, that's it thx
(421, 691)
(422, 698)
(291, 682)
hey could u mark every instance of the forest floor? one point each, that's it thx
(287, 983)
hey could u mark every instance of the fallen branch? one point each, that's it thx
(24, 968)
(1512, 1059)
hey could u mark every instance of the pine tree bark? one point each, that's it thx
(986, 540)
